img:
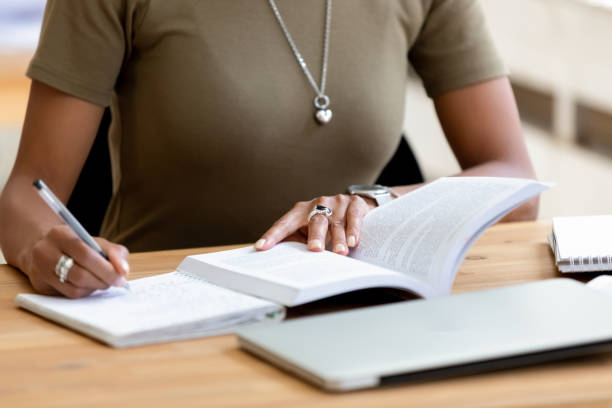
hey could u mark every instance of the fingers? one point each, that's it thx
(70, 244)
(343, 226)
(43, 278)
(284, 227)
(70, 291)
(81, 278)
(338, 235)
(355, 212)
(117, 256)
(317, 232)
(319, 225)
(90, 271)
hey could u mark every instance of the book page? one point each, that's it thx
(290, 274)
(401, 246)
(291, 264)
(157, 302)
(414, 234)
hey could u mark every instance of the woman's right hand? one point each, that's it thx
(89, 272)
(58, 132)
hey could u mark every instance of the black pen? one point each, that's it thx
(56, 205)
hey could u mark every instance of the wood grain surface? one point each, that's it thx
(43, 364)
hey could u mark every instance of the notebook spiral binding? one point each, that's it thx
(586, 263)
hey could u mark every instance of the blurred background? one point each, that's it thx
(560, 56)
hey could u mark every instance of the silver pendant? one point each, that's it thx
(324, 116)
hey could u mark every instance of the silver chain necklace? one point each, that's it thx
(321, 101)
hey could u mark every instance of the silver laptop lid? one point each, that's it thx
(356, 349)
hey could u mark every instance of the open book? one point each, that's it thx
(414, 243)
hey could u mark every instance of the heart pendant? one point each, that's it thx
(323, 116)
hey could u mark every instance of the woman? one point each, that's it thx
(217, 129)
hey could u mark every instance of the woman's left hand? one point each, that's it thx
(343, 226)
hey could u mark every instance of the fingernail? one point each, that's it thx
(340, 248)
(259, 244)
(315, 244)
(125, 266)
(351, 241)
(120, 282)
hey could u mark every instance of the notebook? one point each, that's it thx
(582, 243)
(167, 307)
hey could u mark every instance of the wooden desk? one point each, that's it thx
(44, 364)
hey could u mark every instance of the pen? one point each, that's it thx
(56, 205)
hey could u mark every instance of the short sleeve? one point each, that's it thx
(81, 48)
(454, 48)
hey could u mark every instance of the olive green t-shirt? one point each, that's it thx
(213, 135)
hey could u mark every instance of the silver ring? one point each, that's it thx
(63, 267)
(320, 209)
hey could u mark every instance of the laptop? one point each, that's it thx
(447, 336)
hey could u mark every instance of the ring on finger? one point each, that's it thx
(63, 267)
(320, 209)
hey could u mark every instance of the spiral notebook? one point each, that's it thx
(582, 243)
(168, 307)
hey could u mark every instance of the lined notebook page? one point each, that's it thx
(154, 303)
(585, 236)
